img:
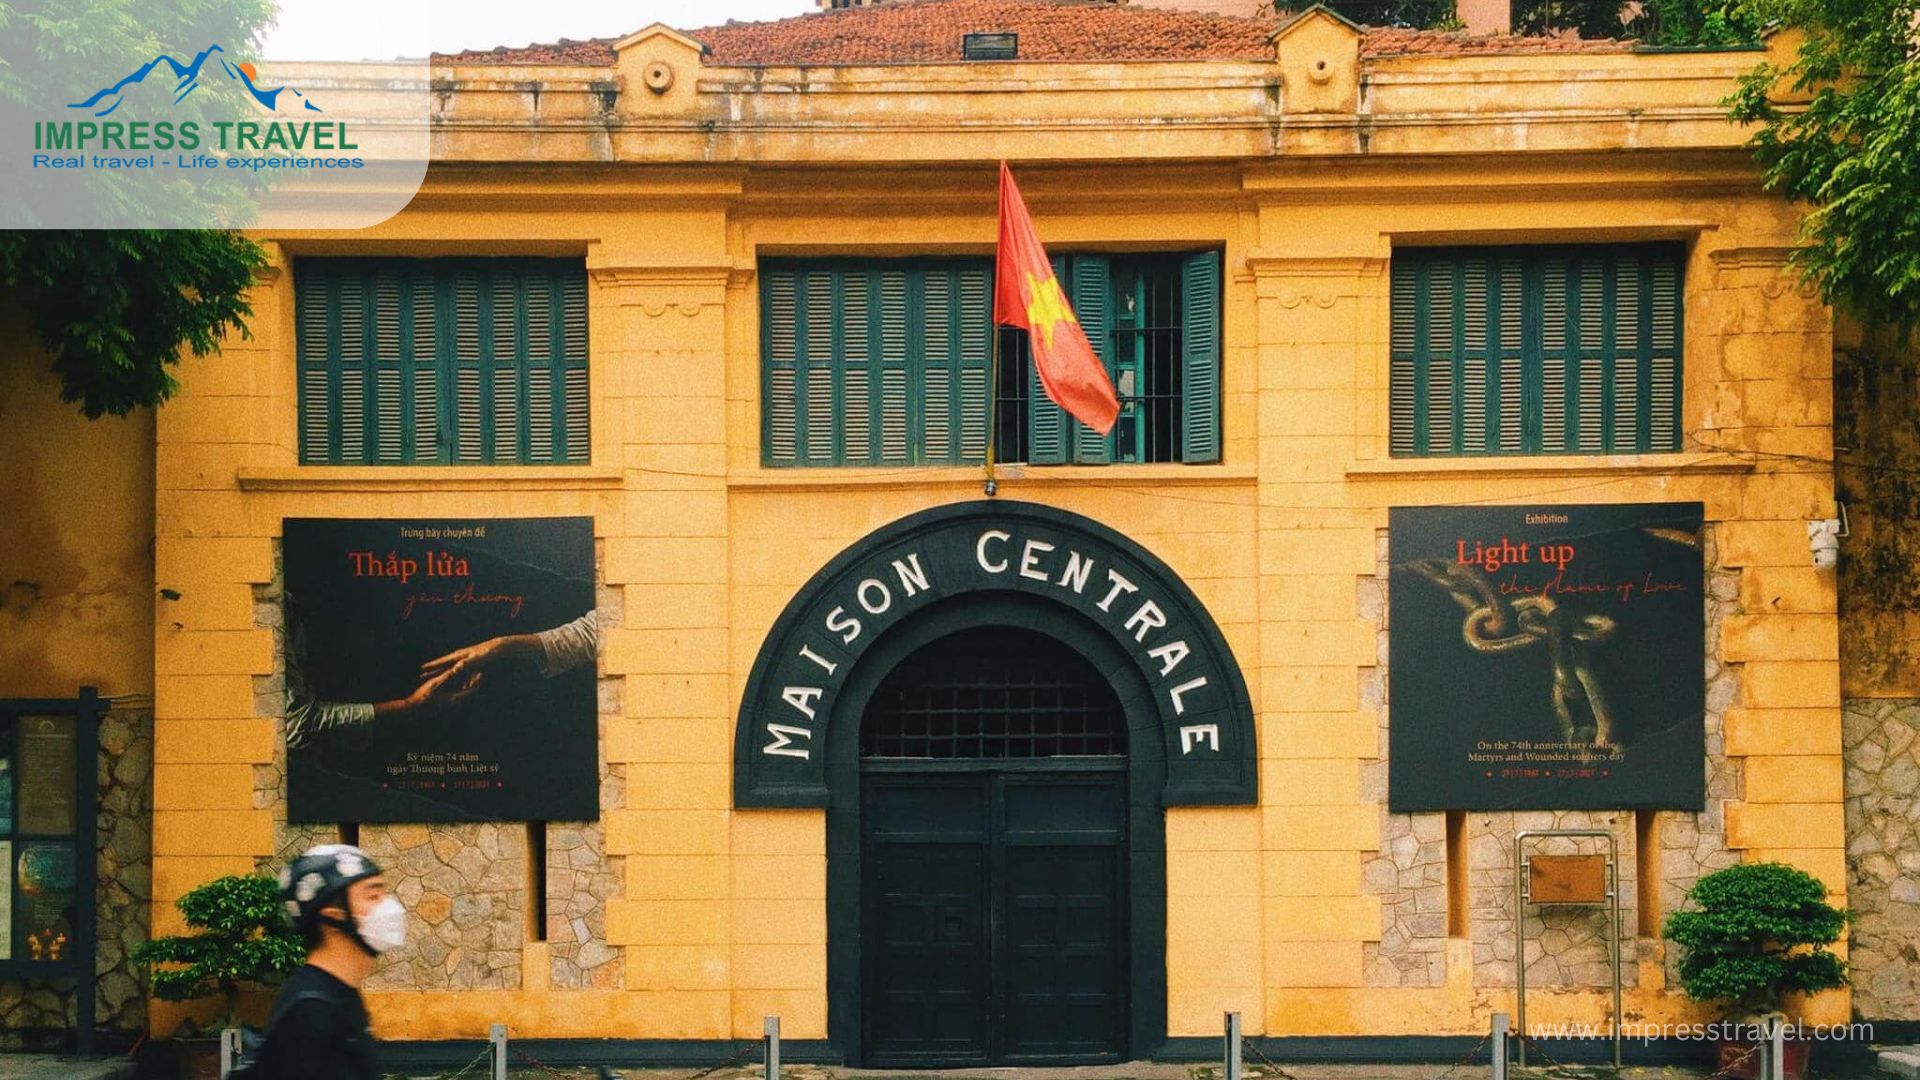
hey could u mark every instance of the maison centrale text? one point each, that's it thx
(999, 555)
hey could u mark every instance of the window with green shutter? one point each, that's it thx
(442, 361)
(1536, 350)
(875, 363)
(885, 362)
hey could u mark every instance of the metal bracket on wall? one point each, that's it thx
(1610, 896)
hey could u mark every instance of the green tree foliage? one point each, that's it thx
(1757, 931)
(1849, 153)
(1678, 23)
(117, 309)
(242, 937)
(1696, 23)
(1666, 23)
(1416, 14)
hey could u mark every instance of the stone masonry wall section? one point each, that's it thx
(581, 878)
(1883, 854)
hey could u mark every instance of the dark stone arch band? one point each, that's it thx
(1123, 602)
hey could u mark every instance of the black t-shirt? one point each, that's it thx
(318, 1031)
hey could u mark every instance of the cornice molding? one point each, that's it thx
(1257, 265)
(713, 274)
(1747, 258)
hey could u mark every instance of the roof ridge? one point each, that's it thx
(1063, 31)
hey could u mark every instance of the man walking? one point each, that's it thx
(339, 903)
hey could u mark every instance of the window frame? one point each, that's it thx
(568, 407)
(1534, 352)
(1099, 321)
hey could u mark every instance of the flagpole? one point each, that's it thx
(993, 408)
(993, 320)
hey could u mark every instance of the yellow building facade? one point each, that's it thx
(679, 183)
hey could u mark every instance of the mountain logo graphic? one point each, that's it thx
(187, 79)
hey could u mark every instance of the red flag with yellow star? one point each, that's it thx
(1027, 294)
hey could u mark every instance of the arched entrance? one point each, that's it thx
(929, 824)
(994, 858)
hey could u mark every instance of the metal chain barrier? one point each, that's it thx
(1726, 1071)
(738, 1059)
(1270, 1067)
(485, 1056)
(1468, 1058)
(1548, 1061)
(542, 1067)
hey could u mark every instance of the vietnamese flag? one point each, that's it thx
(1027, 294)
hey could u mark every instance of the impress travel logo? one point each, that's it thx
(111, 140)
(217, 114)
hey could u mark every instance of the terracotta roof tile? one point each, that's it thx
(930, 31)
(593, 52)
(1393, 41)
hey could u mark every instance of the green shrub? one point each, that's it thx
(1756, 932)
(242, 938)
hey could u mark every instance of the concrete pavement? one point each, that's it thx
(59, 1067)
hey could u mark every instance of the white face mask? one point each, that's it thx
(385, 927)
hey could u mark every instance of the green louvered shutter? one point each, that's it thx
(420, 337)
(1535, 350)
(939, 375)
(1405, 401)
(802, 359)
(1047, 431)
(467, 441)
(576, 405)
(1660, 351)
(955, 339)
(779, 351)
(507, 361)
(316, 304)
(973, 345)
(875, 364)
(853, 323)
(386, 405)
(1200, 358)
(818, 367)
(895, 321)
(412, 361)
(1092, 300)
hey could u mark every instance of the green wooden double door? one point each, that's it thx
(994, 911)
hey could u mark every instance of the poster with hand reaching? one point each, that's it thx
(440, 670)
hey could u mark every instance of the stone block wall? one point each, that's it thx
(582, 878)
(1883, 855)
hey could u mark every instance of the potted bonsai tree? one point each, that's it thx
(240, 938)
(1753, 934)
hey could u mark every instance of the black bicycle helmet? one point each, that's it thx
(317, 879)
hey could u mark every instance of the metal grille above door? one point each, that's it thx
(994, 692)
